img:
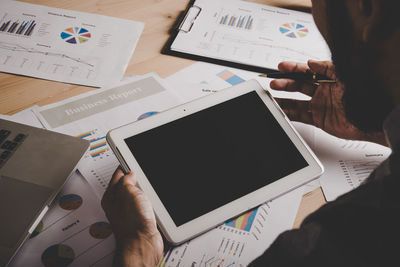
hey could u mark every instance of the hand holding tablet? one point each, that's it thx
(209, 160)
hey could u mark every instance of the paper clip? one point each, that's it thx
(189, 19)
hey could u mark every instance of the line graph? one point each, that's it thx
(18, 48)
(260, 44)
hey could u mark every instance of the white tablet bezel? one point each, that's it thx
(177, 235)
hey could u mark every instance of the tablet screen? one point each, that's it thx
(210, 158)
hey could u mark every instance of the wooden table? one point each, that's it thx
(18, 92)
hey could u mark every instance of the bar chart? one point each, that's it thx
(17, 27)
(238, 22)
(243, 222)
(98, 143)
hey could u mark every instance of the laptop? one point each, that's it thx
(34, 166)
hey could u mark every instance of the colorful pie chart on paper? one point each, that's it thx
(293, 30)
(58, 256)
(75, 35)
(70, 202)
(100, 230)
(147, 114)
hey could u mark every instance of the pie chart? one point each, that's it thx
(70, 202)
(75, 35)
(58, 256)
(100, 230)
(293, 30)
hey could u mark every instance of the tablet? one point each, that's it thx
(211, 159)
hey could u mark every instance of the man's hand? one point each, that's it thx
(325, 109)
(133, 221)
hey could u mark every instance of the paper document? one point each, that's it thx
(249, 33)
(239, 241)
(26, 116)
(64, 45)
(201, 79)
(73, 232)
(347, 163)
(90, 116)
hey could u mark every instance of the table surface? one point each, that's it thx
(19, 92)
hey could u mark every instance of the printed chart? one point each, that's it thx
(65, 45)
(189, 85)
(217, 251)
(100, 230)
(253, 34)
(250, 223)
(243, 222)
(45, 62)
(230, 77)
(356, 171)
(72, 233)
(58, 255)
(18, 27)
(98, 144)
(70, 202)
(237, 22)
(90, 116)
(239, 241)
(75, 35)
(348, 163)
(294, 30)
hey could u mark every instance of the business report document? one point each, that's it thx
(249, 33)
(90, 116)
(64, 45)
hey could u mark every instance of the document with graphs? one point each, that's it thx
(64, 45)
(90, 116)
(249, 34)
(239, 241)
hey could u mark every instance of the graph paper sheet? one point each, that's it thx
(201, 79)
(90, 116)
(74, 232)
(248, 33)
(64, 45)
(239, 241)
(347, 162)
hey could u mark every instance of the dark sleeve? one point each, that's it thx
(358, 229)
(307, 246)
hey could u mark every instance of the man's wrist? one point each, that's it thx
(135, 252)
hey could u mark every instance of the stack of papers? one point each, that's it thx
(76, 222)
(90, 116)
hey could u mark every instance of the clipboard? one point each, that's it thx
(188, 18)
(184, 23)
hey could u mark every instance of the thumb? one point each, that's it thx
(130, 178)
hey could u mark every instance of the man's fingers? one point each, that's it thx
(296, 110)
(109, 194)
(323, 67)
(118, 174)
(292, 67)
(307, 88)
(129, 179)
